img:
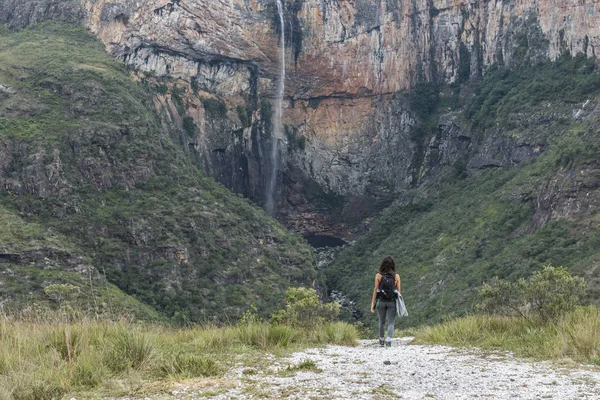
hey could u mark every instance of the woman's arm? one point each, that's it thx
(377, 279)
(398, 283)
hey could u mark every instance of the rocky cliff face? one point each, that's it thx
(18, 13)
(342, 48)
(348, 135)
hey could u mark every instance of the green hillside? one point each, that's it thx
(505, 222)
(95, 193)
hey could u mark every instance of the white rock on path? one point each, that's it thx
(6, 90)
(400, 372)
(419, 372)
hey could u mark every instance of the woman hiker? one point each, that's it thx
(387, 284)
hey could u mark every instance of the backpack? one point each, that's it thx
(386, 287)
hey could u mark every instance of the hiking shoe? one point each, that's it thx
(381, 342)
(388, 344)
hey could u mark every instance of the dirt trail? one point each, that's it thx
(403, 372)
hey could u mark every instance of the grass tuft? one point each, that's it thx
(302, 366)
(66, 342)
(129, 350)
(576, 336)
(88, 373)
(190, 366)
(341, 333)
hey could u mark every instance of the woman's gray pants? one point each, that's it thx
(386, 308)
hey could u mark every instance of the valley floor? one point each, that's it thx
(400, 372)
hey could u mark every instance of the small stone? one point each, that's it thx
(387, 362)
(6, 90)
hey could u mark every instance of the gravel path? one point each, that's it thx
(405, 372)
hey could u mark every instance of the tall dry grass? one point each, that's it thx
(50, 357)
(576, 336)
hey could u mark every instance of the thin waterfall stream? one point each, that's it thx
(277, 120)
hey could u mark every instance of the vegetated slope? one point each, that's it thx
(92, 187)
(33, 258)
(504, 222)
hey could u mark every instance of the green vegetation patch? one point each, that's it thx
(215, 108)
(504, 92)
(19, 235)
(179, 241)
(63, 79)
(31, 290)
(94, 181)
(447, 245)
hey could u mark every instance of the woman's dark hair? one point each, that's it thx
(387, 266)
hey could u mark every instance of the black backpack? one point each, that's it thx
(386, 287)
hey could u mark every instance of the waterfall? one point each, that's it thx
(277, 120)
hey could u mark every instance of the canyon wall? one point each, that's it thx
(350, 146)
(342, 47)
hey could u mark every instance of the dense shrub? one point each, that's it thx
(553, 292)
(189, 126)
(424, 97)
(501, 297)
(215, 108)
(304, 308)
(548, 294)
